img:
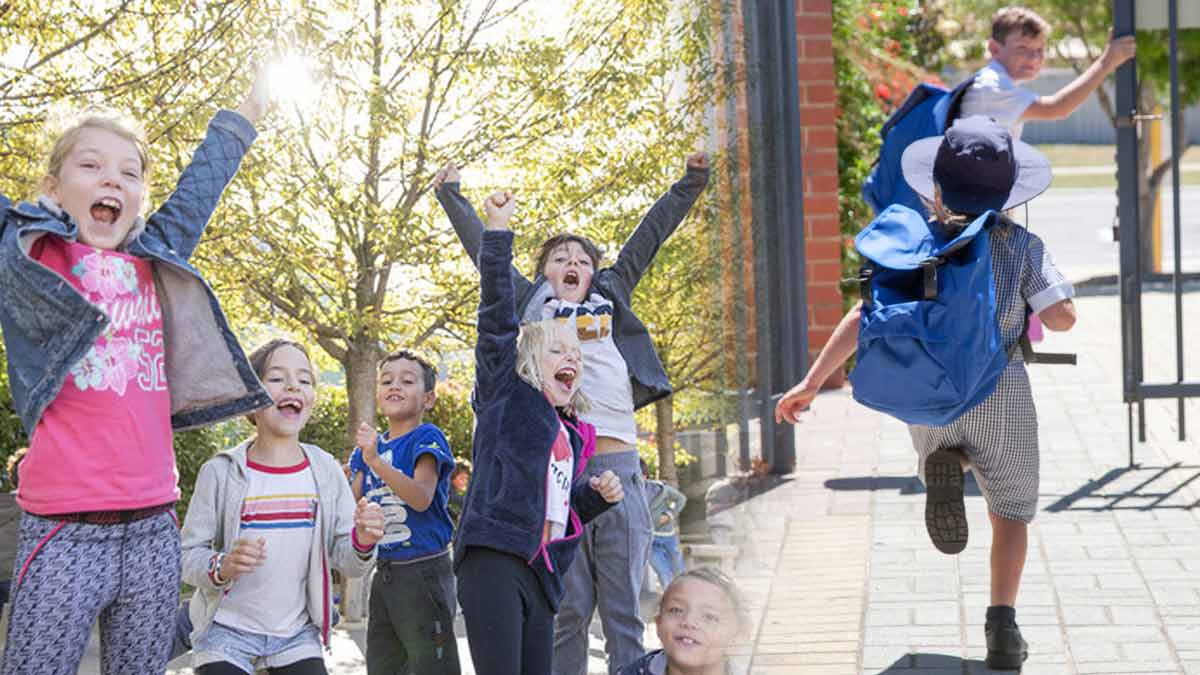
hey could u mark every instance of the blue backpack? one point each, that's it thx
(927, 111)
(929, 346)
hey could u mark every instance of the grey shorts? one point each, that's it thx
(251, 651)
(1000, 439)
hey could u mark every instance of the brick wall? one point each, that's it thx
(814, 26)
(822, 234)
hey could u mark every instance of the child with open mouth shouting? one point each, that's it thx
(529, 496)
(623, 374)
(270, 518)
(113, 342)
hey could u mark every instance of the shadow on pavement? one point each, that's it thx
(1136, 488)
(905, 485)
(939, 664)
(1151, 283)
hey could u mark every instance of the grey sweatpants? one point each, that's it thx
(607, 574)
(127, 575)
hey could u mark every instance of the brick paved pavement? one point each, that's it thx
(1111, 583)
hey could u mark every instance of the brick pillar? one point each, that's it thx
(822, 233)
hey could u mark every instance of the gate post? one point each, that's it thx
(1130, 276)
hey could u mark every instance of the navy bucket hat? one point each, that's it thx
(978, 167)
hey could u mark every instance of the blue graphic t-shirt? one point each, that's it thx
(410, 533)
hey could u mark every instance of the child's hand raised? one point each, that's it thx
(795, 401)
(446, 174)
(258, 100)
(697, 160)
(368, 522)
(368, 442)
(1118, 51)
(499, 209)
(246, 556)
(609, 486)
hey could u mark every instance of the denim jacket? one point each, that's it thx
(49, 326)
(616, 283)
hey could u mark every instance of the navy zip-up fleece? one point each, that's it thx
(505, 508)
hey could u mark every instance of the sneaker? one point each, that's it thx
(1007, 650)
(945, 513)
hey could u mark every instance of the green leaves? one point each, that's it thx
(329, 232)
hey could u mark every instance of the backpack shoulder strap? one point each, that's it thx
(956, 98)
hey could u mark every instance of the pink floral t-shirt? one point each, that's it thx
(104, 443)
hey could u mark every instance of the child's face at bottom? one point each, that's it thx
(696, 624)
(460, 481)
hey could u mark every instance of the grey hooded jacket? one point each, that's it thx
(616, 283)
(213, 520)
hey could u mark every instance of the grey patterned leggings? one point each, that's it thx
(68, 574)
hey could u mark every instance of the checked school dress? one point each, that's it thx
(1000, 435)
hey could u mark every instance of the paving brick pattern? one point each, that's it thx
(1111, 583)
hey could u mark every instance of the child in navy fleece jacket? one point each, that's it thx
(526, 504)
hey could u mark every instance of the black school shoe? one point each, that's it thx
(1006, 649)
(945, 513)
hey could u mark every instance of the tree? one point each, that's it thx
(328, 231)
(167, 66)
(347, 247)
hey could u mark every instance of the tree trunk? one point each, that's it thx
(664, 414)
(361, 365)
(362, 361)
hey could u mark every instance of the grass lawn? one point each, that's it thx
(1103, 155)
(1095, 155)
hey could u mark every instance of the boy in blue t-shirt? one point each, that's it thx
(410, 628)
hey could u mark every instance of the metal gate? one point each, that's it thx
(1128, 16)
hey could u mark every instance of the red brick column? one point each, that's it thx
(822, 234)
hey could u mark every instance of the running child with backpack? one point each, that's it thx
(945, 303)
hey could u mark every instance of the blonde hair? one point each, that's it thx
(950, 222)
(530, 344)
(97, 118)
(714, 577)
(1009, 20)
